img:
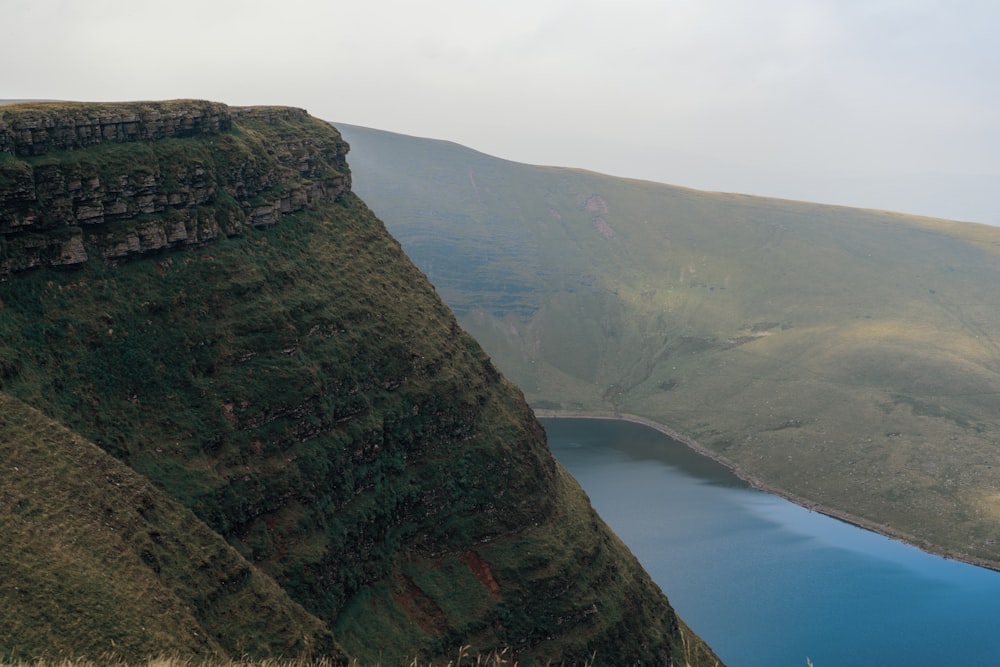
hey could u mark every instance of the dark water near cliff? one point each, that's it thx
(766, 582)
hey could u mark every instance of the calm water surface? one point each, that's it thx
(766, 582)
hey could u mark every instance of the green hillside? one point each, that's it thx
(848, 358)
(195, 290)
(98, 561)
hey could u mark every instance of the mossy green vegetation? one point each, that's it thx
(301, 391)
(847, 358)
(97, 560)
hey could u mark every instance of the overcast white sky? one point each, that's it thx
(889, 104)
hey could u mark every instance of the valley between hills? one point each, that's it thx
(264, 431)
(844, 358)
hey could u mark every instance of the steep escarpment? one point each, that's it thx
(153, 176)
(40, 128)
(242, 332)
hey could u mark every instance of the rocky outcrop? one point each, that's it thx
(37, 129)
(132, 193)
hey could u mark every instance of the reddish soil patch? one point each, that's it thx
(420, 607)
(603, 227)
(596, 204)
(481, 570)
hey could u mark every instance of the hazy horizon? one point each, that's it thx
(880, 104)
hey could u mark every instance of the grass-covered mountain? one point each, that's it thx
(849, 358)
(236, 420)
(98, 561)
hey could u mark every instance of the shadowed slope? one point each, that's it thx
(845, 357)
(263, 351)
(97, 561)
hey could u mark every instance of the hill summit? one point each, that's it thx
(241, 422)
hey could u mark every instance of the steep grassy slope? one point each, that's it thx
(96, 560)
(236, 326)
(847, 357)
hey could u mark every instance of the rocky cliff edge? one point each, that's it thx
(101, 181)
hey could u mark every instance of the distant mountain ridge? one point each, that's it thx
(847, 358)
(262, 432)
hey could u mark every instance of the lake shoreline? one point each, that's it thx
(760, 485)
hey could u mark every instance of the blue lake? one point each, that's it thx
(766, 582)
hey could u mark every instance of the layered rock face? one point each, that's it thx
(274, 362)
(45, 128)
(127, 195)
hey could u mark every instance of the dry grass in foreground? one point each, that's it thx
(463, 659)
